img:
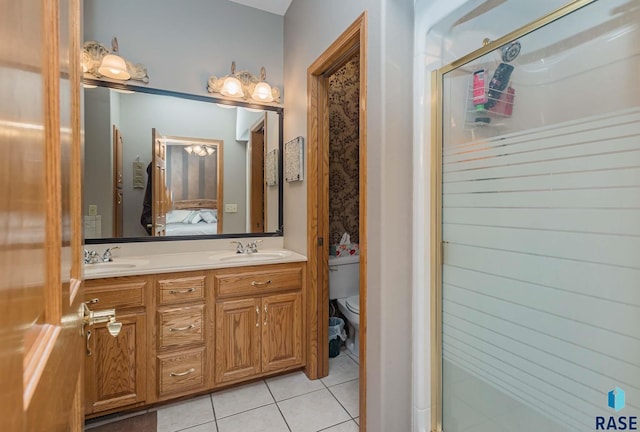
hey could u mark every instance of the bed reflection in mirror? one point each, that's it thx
(157, 165)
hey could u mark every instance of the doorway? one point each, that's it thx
(348, 45)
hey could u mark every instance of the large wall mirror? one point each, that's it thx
(162, 165)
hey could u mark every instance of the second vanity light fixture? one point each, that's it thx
(244, 85)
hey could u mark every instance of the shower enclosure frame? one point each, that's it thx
(436, 244)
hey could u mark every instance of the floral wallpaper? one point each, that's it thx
(344, 96)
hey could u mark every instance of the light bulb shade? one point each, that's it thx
(188, 149)
(262, 92)
(232, 87)
(113, 66)
(210, 150)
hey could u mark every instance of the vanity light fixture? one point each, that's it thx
(232, 86)
(98, 62)
(244, 85)
(113, 66)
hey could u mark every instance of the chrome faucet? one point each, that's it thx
(252, 246)
(239, 248)
(93, 257)
(106, 256)
(249, 248)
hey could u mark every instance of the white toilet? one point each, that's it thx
(344, 286)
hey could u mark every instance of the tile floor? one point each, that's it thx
(287, 403)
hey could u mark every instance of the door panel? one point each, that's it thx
(115, 367)
(158, 179)
(40, 238)
(281, 331)
(257, 203)
(540, 250)
(118, 183)
(237, 339)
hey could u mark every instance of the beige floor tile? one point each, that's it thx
(313, 411)
(291, 385)
(341, 369)
(348, 394)
(265, 419)
(240, 399)
(182, 415)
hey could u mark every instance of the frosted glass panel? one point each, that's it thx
(541, 229)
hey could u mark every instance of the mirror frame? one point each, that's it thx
(209, 99)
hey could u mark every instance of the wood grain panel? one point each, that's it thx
(116, 292)
(237, 339)
(281, 331)
(257, 280)
(116, 365)
(181, 326)
(181, 371)
(181, 289)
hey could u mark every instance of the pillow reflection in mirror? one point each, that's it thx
(209, 216)
(183, 216)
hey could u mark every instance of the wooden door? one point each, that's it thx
(40, 209)
(115, 367)
(118, 208)
(258, 184)
(281, 331)
(237, 339)
(158, 185)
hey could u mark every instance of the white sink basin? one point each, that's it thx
(112, 266)
(249, 258)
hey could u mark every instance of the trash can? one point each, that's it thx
(336, 333)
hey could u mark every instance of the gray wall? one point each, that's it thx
(98, 171)
(310, 27)
(183, 43)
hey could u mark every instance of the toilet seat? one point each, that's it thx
(353, 304)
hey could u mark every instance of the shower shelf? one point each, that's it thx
(494, 116)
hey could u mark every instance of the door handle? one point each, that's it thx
(257, 316)
(88, 346)
(175, 329)
(179, 374)
(265, 315)
(104, 316)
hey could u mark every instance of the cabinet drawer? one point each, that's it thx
(183, 371)
(254, 282)
(181, 326)
(115, 293)
(180, 289)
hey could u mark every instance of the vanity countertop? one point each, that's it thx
(187, 261)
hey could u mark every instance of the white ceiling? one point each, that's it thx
(278, 7)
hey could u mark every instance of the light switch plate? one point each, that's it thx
(231, 208)
(93, 209)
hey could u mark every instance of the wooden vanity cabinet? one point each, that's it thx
(181, 332)
(191, 332)
(115, 367)
(259, 321)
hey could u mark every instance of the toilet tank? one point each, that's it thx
(344, 276)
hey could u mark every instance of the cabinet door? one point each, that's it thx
(281, 331)
(237, 339)
(115, 373)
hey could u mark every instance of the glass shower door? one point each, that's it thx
(540, 225)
